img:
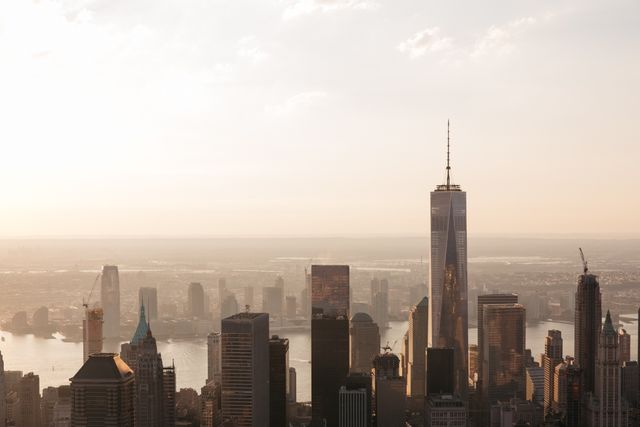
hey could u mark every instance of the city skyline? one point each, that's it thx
(149, 111)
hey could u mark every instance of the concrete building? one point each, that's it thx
(567, 393)
(245, 369)
(29, 396)
(103, 393)
(535, 384)
(389, 391)
(482, 301)
(448, 284)
(210, 404)
(588, 324)
(625, 345)
(110, 301)
(293, 386)
(92, 332)
(550, 359)
(352, 407)
(364, 342)
(416, 364)
(445, 410)
(214, 367)
(440, 371)
(195, 300)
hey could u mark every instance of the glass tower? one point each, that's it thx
(448, 281)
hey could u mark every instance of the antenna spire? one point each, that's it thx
(448, 165)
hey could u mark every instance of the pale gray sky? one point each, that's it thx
(317, 117)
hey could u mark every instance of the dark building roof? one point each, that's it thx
(103, 366)
(361, 317)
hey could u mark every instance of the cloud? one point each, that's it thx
(428, 40)
(500, 40)
(249, 49)
(307, 7)
(295, 103)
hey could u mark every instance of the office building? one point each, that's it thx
(291, 306)
(631, 384)
(129, 351)
(47, 405)
(567, 393)
(229, 306)
(380, 302)
(278, 381)
(103, 393)
(445, 410)
(169, 394)
(92, 332)
(416, 364)
(364, 342)
(210, 405)
(149, 384)
(440, 371)
(482, 301)
(110, 301)
(504, 330)
(62, 408)
(29, 396)
(389, 391)
(329, 340)
(473, 362)
(448, 286)
(245, 369)
(272, 298)
(195, 300)
(148, 297)
(624, 340)
(352, 407)
(587, 324)
(605, 406)
(550, 359)
(214, 367)
(293, 386)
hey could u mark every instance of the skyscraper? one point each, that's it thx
(214, 369)
(389, 391)
(278, 381)
(110, 301)
(550, 359)
(329, 340)
(290, 303)
(272, 298)
(416, 364)
(567, 393)
(229, 306)
(169, 394)
(195, 301)
(588, 324)
(482, 301)
(504, 329)
(149, 382)
(606, 408)
(625, 345)
(103, 392)
(380, 302)
(440, 373)
(148, 297)
(92, 332)
(29, 396)
(448, 284)
(210, 409)
(364, 342)
(352, 407)
(245, 369)
(3, 394)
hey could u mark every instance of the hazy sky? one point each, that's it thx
(317, 117)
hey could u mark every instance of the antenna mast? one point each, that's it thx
(448, 166)
(585, 268)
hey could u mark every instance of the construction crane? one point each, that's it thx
(585, 268)
(86, 304)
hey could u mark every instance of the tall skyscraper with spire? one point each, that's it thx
(448, 280)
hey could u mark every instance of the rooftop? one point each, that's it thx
(103, 366)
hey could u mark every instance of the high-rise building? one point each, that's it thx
(448, 285)
(606, 406)
(278, 381)
(92, 332)
(588, 324)
(214, 367)
(3, 394)
(62, 408)
(29, 396)
(129, 351)
(550, 359)
(445, 410)
(631, 385)
(625, 345)
(364, 342)
(290, 302)
(389, 391)
(149, 382)
(504, 330)
(195, 303)
(534, 389)
(440, 372)
(110, 301)
(293, 386)
(353, 407)
(103, 393)
(245, 369)
(169, 394)
(47, 405)
(567, 393)
(210, 405)
(416, 364)
(473, 361)
(380, 302)
(329, 340)
(248, 296)
(148, 297)
(229, 306)
(482, 301)
(272, 298)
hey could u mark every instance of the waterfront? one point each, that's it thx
(56, 361)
